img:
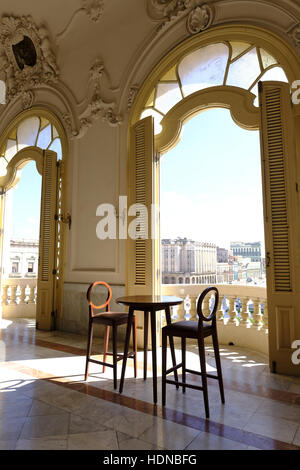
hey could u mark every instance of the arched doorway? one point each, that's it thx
(229, 67)
(38, 136)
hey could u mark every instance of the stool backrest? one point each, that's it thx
(106, 305)
(212, 316)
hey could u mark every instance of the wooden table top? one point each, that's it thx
(145, 301)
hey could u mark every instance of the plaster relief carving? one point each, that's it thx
(295, 33)
(131, 96)
(27, 99)
(94, 9)
(26, 58)
(97, 107)
(200, 16)
(199, 19)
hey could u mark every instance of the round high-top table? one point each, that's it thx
(148, 304)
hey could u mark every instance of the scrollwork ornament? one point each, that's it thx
(27, 99)
(295, 33)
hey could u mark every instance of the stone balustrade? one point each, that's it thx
(242, 314)
(18, 298)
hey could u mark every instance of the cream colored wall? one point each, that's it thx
(127, 41)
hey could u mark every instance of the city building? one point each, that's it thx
(23, 259)
(247, 250)
(188, 262)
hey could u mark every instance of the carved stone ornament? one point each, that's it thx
(94, 9)
(200, 16)
(26, 58)
(295, 33)
(97, 107)
(131, 96)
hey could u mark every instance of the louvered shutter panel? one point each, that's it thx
(47, 244)
(140, 191)
(279, 190)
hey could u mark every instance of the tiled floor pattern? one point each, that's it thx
(45, 404)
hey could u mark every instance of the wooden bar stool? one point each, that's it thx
(109, 319)
(206, 326)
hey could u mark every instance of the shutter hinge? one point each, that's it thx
(54, 272)
(55, 217)
(297, 188)
(268, 260)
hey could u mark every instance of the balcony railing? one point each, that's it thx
(242, 313)
(19, 297)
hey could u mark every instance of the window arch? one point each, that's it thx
(32, 131)
(228, 63)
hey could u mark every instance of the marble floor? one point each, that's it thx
(46, 405)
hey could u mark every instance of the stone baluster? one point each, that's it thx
(193, 311)
(31, 297)
(13, 294)
(257, 316)
(181, 311)
(22, 294)
(205, 306)
(265, 317)
(5, 295)
(245, 317)
(231, 311)
(220, 313)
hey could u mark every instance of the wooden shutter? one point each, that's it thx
(279, 189)
(141, 258)
(47, 245)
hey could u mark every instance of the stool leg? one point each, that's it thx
(164, 367)
(129, 323)
(106, 341)
(115, 352)
(201, 348)
(218, 365)
(89, 349)
(154, 362)
(146, 326)
(134, 347)
(171, 341)
(183, 349)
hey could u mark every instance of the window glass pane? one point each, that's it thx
(11, 149)
(167, 95)
(2, 92)
(244, 71)
(56, 147)
(238, 48)
(3, 165)
(45, 138)
(27, 132)
(157, 119)
(276, 74)
(267, 59)
(203, 68)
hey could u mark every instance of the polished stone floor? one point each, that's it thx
(45, 403)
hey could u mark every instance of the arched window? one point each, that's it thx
(32, 131)
(231, 63)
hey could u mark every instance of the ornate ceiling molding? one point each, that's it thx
(26, 57)
(199, 16)
(295, 34)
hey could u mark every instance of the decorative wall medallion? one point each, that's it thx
(26, 58)
(295, 33)
(200, 16)
(199, 19)
(27, 99)
(94, 9)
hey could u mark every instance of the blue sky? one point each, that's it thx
(211, 182)
(210, 185)
(26, 204)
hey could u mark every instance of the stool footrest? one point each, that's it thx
(182, 384)
(200, 373)
(178, 366)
